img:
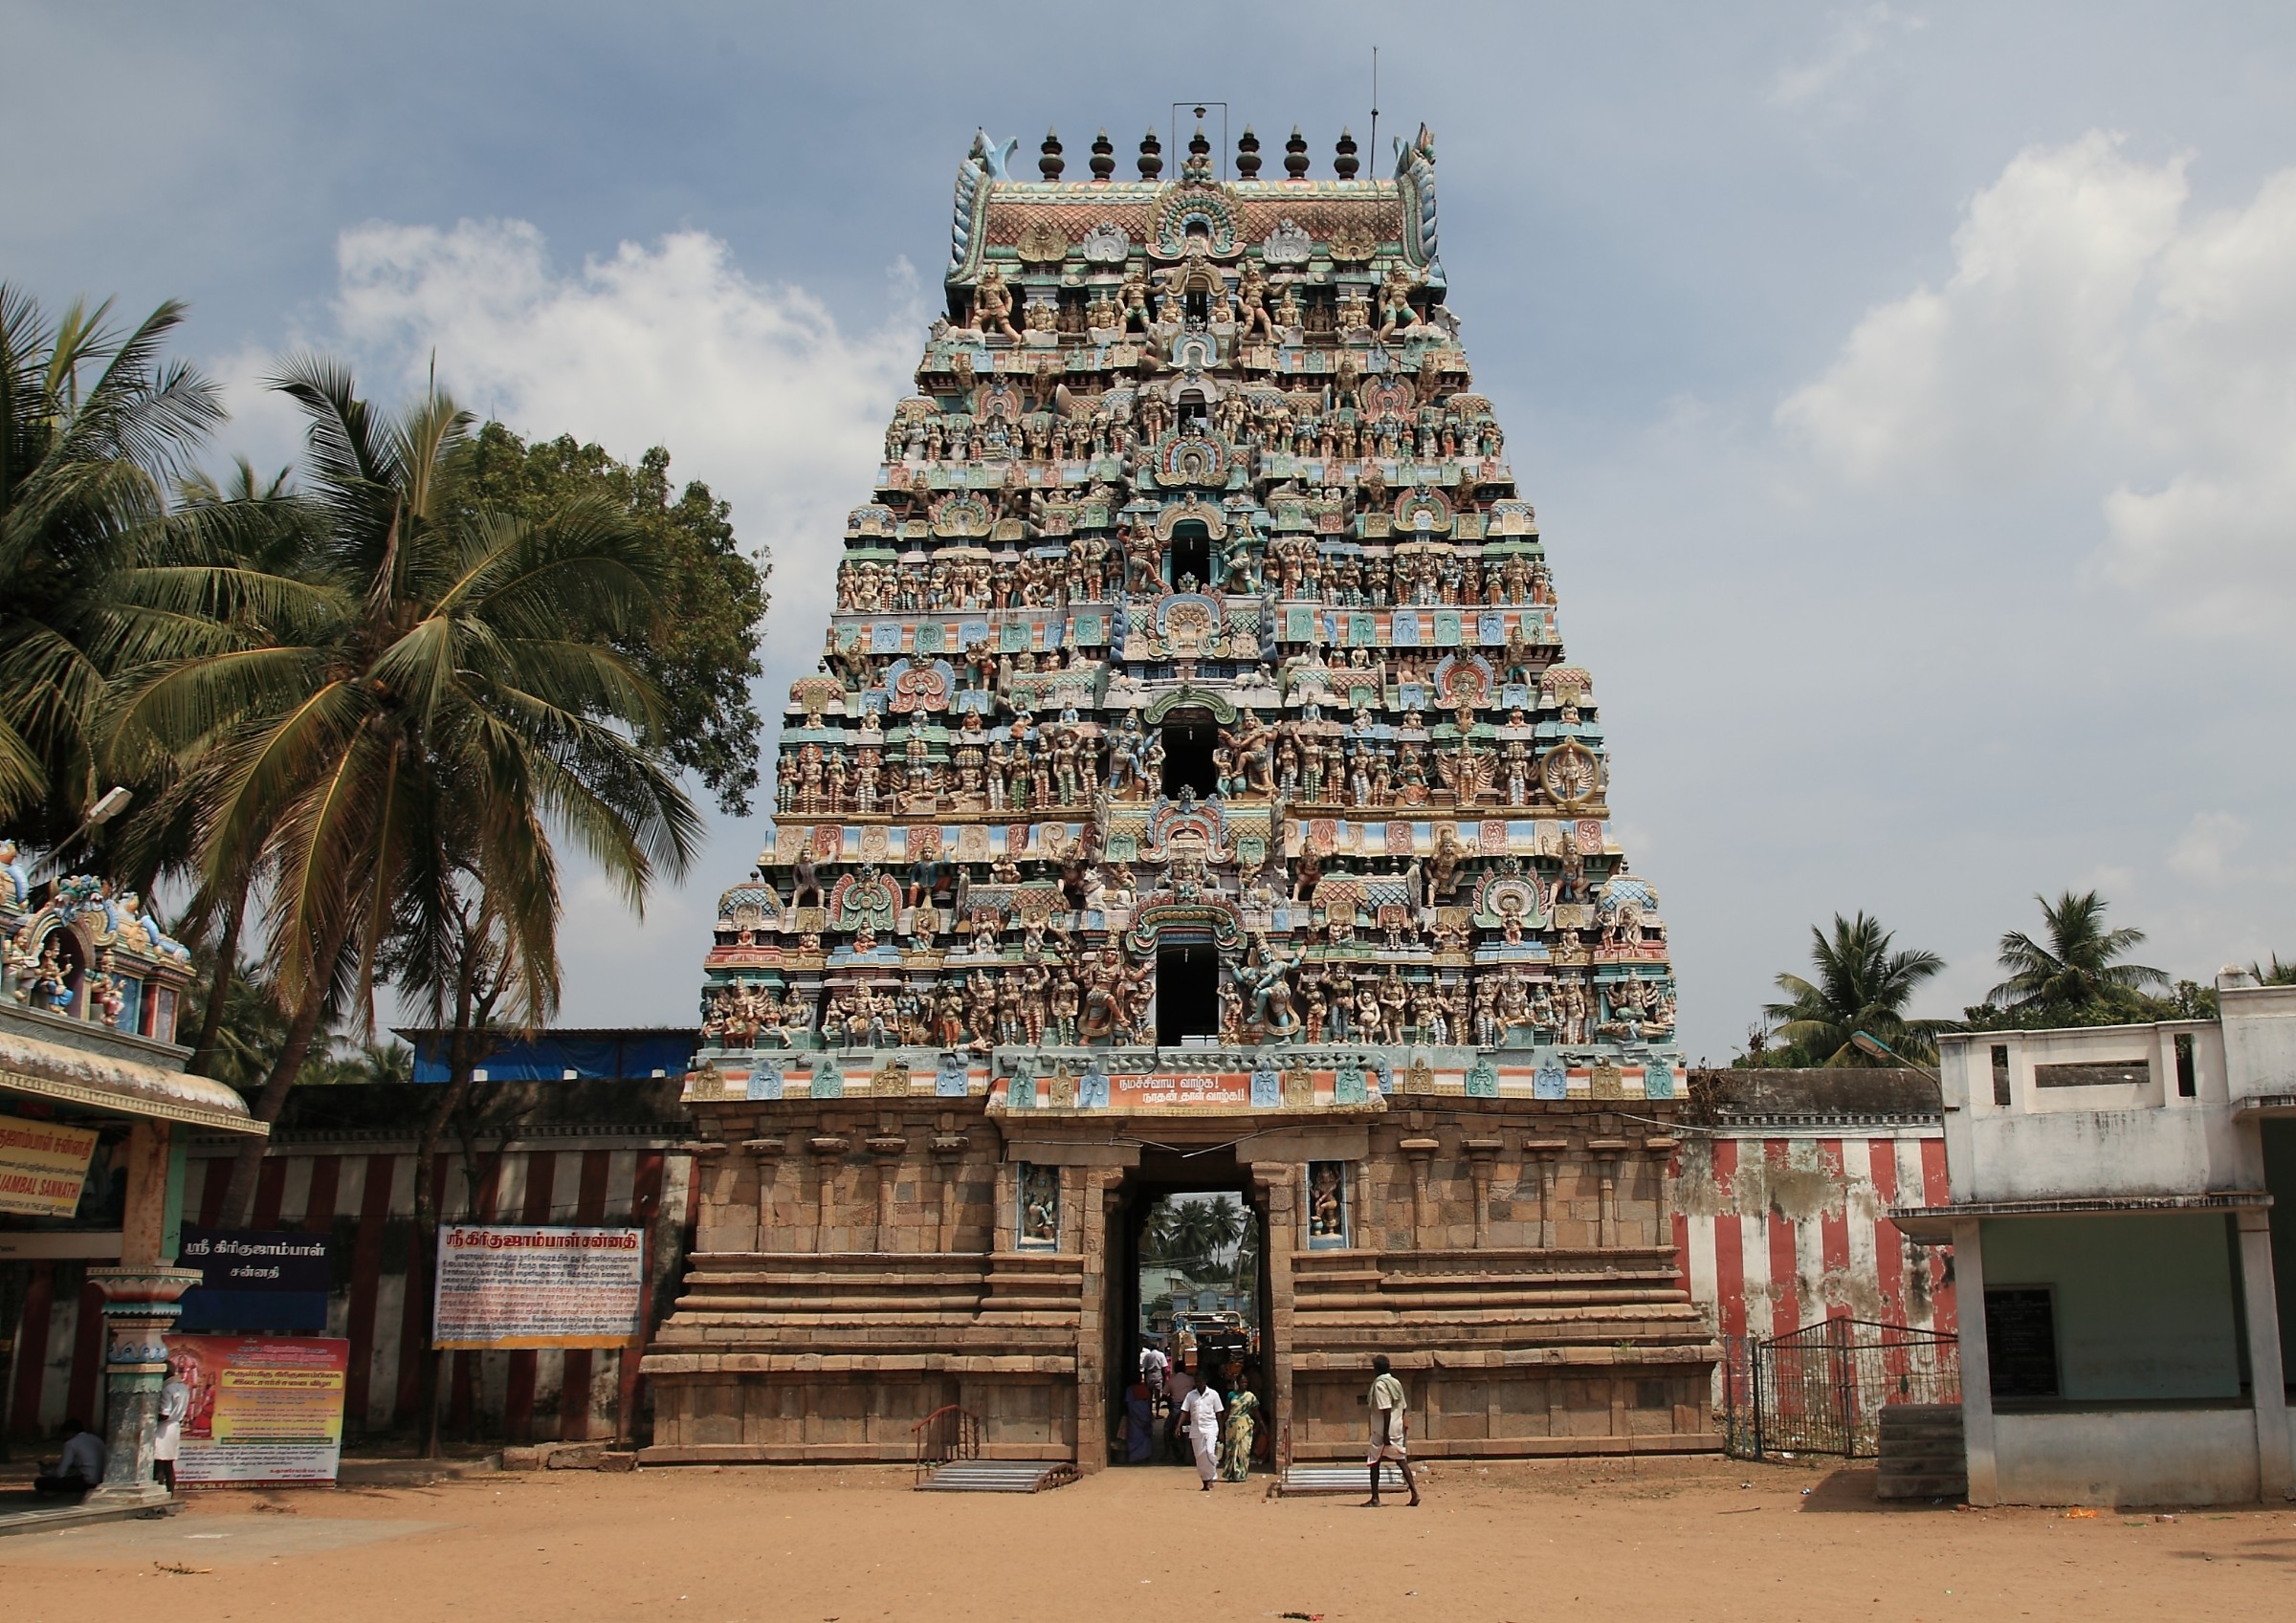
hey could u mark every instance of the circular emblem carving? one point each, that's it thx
(1569, 772)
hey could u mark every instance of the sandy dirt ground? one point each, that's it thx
(1664, 1539)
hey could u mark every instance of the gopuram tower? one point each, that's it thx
(1194, 796)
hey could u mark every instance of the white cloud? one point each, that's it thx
(1856, 36)
(2092, 330)
(2208, 851)
(752, 388)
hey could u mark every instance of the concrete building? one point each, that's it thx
(2113, 1223)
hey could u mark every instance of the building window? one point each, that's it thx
(2096, 1073)
(2020, 1341)
(1327, 1205)
(2188, 1076)
(1192, 555)
(1188, 757)
(1187, 994)
(1040, 1205)
(2001, 1074)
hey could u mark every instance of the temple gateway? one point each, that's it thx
(1194, 798)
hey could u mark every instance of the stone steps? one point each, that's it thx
(1922, 1452)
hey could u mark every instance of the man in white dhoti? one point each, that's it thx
(1200, 1412)
(168, 1436)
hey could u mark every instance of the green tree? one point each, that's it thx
(407, 714)
(1858, 985)
(2076, 974)
(94, 424)
(701, 649)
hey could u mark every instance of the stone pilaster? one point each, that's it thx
(139, 1304)
(1543, 1153)
(828, 1152)
(886, 1147)
(1420, 1152)
(1482, 1154)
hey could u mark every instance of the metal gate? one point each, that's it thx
(1821, 1389)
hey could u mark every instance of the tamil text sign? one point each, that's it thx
(254, 1280)
(42, 1166)
(264, 1409)
(502, 1286)
(1184, 1090)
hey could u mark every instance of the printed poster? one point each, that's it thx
(42, 1167)
(264, 1409)
(502, 1287)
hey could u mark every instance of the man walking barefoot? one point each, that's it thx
(1199, 1414)
(1389, 1432)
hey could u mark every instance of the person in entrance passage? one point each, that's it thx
(1389, 1432)
(1200, 1413)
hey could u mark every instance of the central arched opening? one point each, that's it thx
(1191, 555)
(1189, 737)
(1187, 994)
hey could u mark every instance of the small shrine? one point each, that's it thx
(1195, 793)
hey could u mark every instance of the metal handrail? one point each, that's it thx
(950, 1432)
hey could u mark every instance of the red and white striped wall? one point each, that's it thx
(365, 1199)
(1776, 1228)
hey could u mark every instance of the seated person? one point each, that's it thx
(80, 1468)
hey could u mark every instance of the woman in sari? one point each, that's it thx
(1139, 1424)
(1243, 1425)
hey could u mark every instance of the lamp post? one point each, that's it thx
(1866, 1043)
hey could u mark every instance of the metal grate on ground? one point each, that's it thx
(999, 1476)
(1300, 1481)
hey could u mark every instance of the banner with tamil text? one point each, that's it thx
(505, 1286)
(42, 1166)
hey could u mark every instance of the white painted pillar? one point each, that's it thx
(2275, 1478)
(1977, 1370)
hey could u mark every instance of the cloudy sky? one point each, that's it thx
(1908, 393)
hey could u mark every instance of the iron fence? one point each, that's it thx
(1821, 1389)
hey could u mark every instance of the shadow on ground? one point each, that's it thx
(1850, 1489)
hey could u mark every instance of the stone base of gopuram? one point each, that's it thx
(884, 1235)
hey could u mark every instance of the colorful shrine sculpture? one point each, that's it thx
(1193, 739)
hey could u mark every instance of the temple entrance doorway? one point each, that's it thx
(1187, 1246)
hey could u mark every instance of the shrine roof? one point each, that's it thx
(1350, 225)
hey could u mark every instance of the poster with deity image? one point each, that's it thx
(264, 1409)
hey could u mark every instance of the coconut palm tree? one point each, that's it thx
(408, 714)
(94, 428)
(1859, 985)
(2075, 973)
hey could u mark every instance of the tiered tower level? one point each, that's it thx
(1193, 740)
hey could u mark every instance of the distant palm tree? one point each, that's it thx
(1193, 1233)
(2077, 971)
(1859, 985)
(2274, 973)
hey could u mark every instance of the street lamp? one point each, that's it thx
(109, 805)
(1866, 1043)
